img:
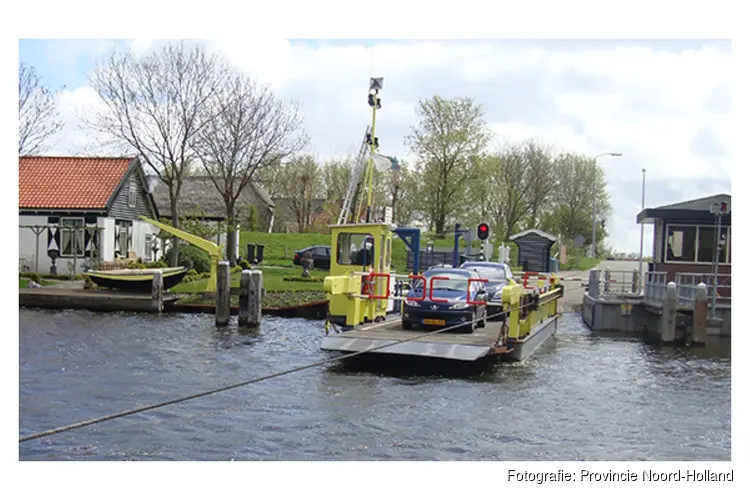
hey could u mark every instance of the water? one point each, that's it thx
(580, 397)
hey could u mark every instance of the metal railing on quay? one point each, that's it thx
(687, 286)
(655, 287)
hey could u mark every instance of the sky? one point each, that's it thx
(664, 104)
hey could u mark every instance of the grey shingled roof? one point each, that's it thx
(199, 191)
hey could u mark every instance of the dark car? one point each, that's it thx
(451, 308)
(321, 256)
(498, 275)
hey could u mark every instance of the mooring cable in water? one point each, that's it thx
(112, 416)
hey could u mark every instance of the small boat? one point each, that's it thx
(137, 280)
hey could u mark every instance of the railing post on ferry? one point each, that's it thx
(700, 316)
(594, 283)
(607, 277)
(636, 281)
(669, 313)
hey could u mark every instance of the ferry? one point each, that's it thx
(365, 298)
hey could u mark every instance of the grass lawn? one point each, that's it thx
(273, 281)
(279, 248)
(24, 282)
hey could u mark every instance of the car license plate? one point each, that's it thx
(437, 322)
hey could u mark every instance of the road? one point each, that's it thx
(574, 289)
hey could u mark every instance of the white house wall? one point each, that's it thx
(107, 241)
(140, 230)
(27, 242)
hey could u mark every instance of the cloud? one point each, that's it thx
(665, 108)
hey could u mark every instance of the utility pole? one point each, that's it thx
(643, 207)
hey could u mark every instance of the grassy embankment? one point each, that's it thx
(24, 282)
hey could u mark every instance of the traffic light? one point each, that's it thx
(483, 231)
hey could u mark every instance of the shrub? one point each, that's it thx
(192, 258)
(311, 279)
(191, 272)
(156, 265)
(136, 264)
(236, 269)
(32, 276)
(244, 264)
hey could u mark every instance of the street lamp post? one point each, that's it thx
(643, 207)
(593, 208)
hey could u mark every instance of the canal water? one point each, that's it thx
(580, 397)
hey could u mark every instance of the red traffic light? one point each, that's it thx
(483, 231)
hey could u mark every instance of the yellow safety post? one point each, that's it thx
(512, 302)
(213, 250)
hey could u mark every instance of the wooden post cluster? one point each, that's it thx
(251, 291)
(157, 291)
(669, 314)
(594, 283)
(223, 294)
(700, 316)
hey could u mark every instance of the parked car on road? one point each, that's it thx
(451, 307)
(498, 274)
(321, 256)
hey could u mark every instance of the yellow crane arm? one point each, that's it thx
(213, 250)
(210, 247)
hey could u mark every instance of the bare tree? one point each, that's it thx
(153, 105)
(37, 112)
(300, 183)
(248, 129)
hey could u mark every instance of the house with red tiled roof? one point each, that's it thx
(80, 210)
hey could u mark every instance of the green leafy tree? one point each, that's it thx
(449, 134)
(581, 182)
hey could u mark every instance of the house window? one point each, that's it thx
(696, 243)
(350, 249)
(707, 244)
(72, 239)
(124, 237)
(132, 194)
(388, 253)
(148, 252)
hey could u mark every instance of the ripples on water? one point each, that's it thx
(580, 397)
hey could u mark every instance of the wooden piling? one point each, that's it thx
(669, 314)
(157, 291)
(700, 316)
(244, 312)
(223, 294)
(255, 292)
(594, 283)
